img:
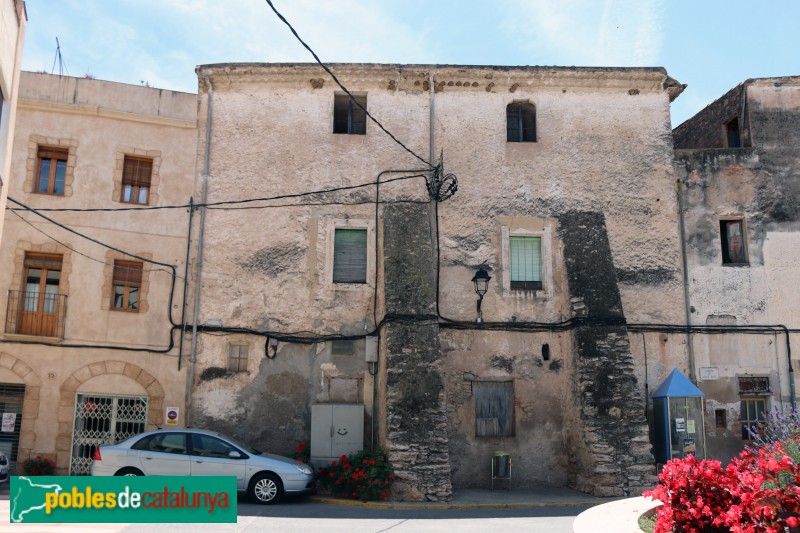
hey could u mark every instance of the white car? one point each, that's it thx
(4, 465)
(193, 452)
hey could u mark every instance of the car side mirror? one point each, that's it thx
(233, 454)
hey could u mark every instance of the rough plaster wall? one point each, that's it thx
(540, 397)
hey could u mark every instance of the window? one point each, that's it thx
(350, 256)
(521, 122)
(51, 170)
(526, 263)
(494, 408)
(721, 418)
(731, 234)
(136, 175)
(237, 357)
(126, 283)
(163, 443)
(347, 116)
(732, 138)
(753, 411)
(208, 446)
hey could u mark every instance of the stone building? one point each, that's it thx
(738, 166)
(565, 197)
(89, 351)
(13, 20)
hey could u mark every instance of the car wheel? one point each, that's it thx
(266, 488)
(129, 472)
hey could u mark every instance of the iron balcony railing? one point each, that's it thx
(36, 313)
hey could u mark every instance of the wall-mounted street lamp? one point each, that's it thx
(481, 281)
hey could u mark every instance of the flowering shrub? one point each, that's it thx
(302, 453)
(756, 493)
(38, 466)
(363, 475)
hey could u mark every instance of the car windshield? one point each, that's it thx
(245, 447)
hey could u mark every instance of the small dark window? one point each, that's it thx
(342, 347)
(348, 117)
(526, 263)
(546, 352)
(731, 234)
(732, 133)
(721, 417)
(521, 122)
(237, 357)
(753, 413)
(350, 256)
(494, 408)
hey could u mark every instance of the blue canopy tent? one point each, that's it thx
(678, 419)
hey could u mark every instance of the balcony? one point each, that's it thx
(36, 313)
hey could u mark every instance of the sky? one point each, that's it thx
(710, 45)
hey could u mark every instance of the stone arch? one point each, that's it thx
(30, 402)
(155, 403)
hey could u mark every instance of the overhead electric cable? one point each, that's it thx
(352, 98)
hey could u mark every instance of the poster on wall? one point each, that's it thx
(690, 426)
(9, 419)
(172, 416)
(689, 447)
(680, 425)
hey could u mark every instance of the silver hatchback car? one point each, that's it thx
(193, 452)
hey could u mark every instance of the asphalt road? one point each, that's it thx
(309, 517)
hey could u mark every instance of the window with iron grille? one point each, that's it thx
(731, 234)
(51, 170)
(753, 413)
(237, 357)
(126, 284)
(526, 262)
(494, 408)
(521, 122)
(350, 256)
(137, 173)
(348, 117)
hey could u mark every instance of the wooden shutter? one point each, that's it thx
(137, 171)
(340, 107)
(127, 273)
(494, 408)
(350, 256)
(512, 123)
(358, 118)
(528, 122)
(50, 262)
(53, 153)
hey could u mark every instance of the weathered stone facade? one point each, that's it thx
(596, 188)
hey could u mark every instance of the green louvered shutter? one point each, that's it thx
(526, 262)
(350, 256)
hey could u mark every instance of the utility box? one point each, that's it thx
(336, 429)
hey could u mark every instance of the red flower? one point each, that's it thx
(391, 476)
(383, 494)
(372, 462)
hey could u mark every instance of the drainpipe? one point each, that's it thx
(186, 281)
(199, 266)
(791, 368)
(686, 301)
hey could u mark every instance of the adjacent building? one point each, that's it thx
(92, 276)
(738, 168)
(13, 19)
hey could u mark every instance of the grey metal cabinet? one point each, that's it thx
(336, 429)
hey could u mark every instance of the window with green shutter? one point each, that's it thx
(350, 256)
(526, 263)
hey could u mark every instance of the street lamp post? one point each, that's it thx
(481, 281)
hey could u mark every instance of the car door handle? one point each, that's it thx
(196, 461)
(148, 458)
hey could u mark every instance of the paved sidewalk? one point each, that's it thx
(484, 498)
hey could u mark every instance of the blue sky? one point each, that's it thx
(711, 45)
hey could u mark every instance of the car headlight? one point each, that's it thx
(305, 469)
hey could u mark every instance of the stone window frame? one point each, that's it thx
(329, 231)
(546, 236)
(119, 165)
(108, 280)
(36, 141)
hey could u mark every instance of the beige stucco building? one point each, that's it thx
(565, 197)
(13, 20)
(93, 282)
